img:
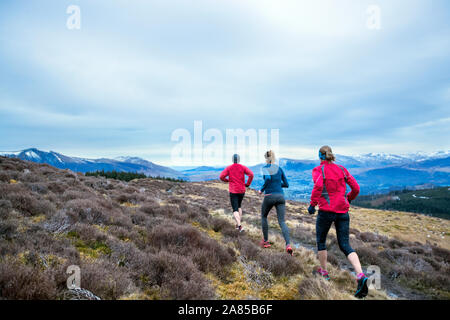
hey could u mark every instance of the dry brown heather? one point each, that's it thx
(155, 239)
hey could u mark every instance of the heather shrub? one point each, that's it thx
(75, 194)
(122, 233)
(58, 223)
(30, 177)
(127, 255)
(7, 230)
(4, 177)
(168, 211)
(199, 210)
(53, 198)
(207, 253)
(247, 248)
(368, 255)
(223, 226)
(105, 280)
(303, 234)
(435, 264)
(30, 205)
(37, 187)
(354, 231)
(177, 277)
(280, 264)
(203, 221)
(84, 210)
(416, 250)
(46, 170)
(9, 248)
(133, 198)
(219, 224)
(57, 187)
(441, 253)
(18, 281)
(332, 258)
(7, 175)
(5, 208)
(394, 243)
(150, 207)
(182, 204)
(315, 288)
(41, 241)
(367, 237)
(87, 233)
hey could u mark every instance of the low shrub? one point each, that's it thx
(105, 280)
(177, 277)
(7, 230)
(247, 248)
(207, 253)
(5, 208)
(280, 264)
(394, 243)
(23, 282)
(315, 289)
(441, 253)
(29, 205)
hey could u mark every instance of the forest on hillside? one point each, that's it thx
(435, 202)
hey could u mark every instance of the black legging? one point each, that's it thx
(277, 200)
(342, 224)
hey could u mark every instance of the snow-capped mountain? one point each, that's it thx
(128, 164)
(375, 160)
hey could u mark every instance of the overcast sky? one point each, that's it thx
(137, 70)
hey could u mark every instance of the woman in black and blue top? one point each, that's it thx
(274, 181)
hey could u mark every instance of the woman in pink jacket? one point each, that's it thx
(329, 192)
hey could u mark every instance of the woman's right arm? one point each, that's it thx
(224, 175)
(267, 179)
(318, 187)
(284, 182)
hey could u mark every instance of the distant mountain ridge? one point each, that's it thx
(375, 172)
(127, 164)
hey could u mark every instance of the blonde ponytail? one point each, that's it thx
(270, 157)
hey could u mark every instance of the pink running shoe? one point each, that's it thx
(264, 244)
(289, 249)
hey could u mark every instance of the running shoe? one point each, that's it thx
(362, 290)
(322, 273)
(289, 249)
(265, 244)
(240, 228)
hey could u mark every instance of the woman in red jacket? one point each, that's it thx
(235, 175)
(329, 192)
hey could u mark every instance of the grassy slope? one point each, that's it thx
(151, 239)
(374, 232)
